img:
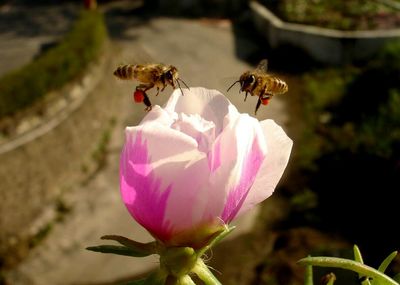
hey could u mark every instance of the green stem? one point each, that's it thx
(358, 267)
(205, 274)
(185, 280)
(308, 278)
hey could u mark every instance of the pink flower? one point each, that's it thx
(191, 167)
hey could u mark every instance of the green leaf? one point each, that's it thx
(358, 258)
(384, 265)
(355, 266)
(218, 236)
(144, 248)
(357, 254)
(397, 277)
(116, 249)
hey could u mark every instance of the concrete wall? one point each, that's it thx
(324, 45)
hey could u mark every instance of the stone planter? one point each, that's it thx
(324, 45)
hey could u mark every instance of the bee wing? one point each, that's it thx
(262, 66)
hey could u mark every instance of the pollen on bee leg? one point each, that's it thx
(265, 101)
(138, 96)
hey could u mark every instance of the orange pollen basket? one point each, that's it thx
(138, 96)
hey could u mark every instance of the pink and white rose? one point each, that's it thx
(193, 166)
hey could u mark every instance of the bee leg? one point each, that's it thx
(145, 87)
(258, 105)
(245, 96)
(142, 87)
(158, 91)
(147, 102)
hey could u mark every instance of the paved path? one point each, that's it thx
(206, 55)
(25, 32)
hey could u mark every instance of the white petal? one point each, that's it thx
(279, 148)
(201, 130)
(209, 104)
(158, 115)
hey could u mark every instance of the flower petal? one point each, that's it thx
(140, 190)
(209, 104)
(191, 167)
(157, 115)
(233, 164)
(250, 152)
(279, 148)
(153, 158)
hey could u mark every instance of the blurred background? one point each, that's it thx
(62, 116)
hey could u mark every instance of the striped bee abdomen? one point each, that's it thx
(276, 86)
(125, 72)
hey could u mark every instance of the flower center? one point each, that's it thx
(195, 126)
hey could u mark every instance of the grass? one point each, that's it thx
(99, 154)
(337, 14)
(21, 88)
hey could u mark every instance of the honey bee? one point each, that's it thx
(150, 75)
(259, 83)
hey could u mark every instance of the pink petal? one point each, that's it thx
(279, 148)
(154, 162)
(251, 150)
(233, 163)
(140, 190)
(248, 173)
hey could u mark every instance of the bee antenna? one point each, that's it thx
(183, 83)
(177, 81)
(232, 85)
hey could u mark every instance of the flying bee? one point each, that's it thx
(149, 75)
(259, 83)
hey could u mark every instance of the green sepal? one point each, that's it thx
(144, 248)
(215, 239)
(117, 249)
(384, 265)
(362, 269)
(178, 261)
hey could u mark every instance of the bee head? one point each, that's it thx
(247, 81)
(171, 75)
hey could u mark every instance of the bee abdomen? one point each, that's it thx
(277, 86)
(125, 72)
